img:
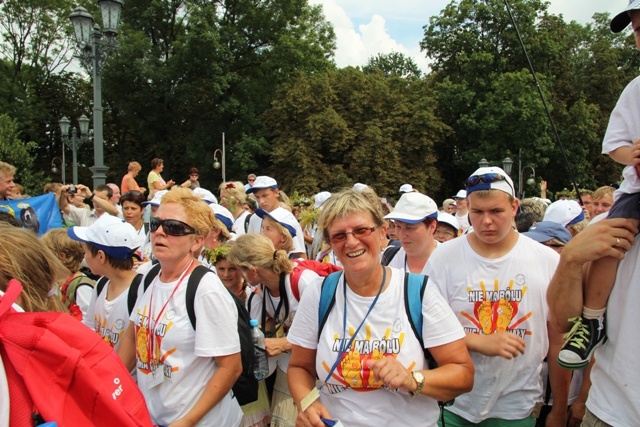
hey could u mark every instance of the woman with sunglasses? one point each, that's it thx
(262, 264)
(370, 362)
(185, 374)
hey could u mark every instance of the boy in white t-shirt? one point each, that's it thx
(622, 143)
(109, 245)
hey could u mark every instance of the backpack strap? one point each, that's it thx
(295, 280)
(246, 223)
(250, 300)
(192, 286)
(389, 253)
(132, 295)
(10, 296)
(327, 298)
(100, 284)
(146, 228)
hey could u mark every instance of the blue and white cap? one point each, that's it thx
(281, 216)
(490, 178)
(206, 195)
(544, 231)
(262, 182)
(112, 235)
(223, 215)
(621, 20)
(157, 197)
(413, 208)
(564, 212)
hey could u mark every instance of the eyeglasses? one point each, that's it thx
(194, 174)
(358, 233)
(251, 180)
(487, 178)
(171, 227)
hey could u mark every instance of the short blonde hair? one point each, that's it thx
(257, 251)
(603, 191)
(25, 258)
(200, 215)
(134, 166)
(60, 244)
(235, 189)
(347, 202)
(7, 169)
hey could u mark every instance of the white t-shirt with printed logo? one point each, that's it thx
(108, 318)
(386, 332)
(186, 355)
(502, 294)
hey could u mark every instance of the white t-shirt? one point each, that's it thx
(255, 226)
(492, 295)
(399, 260)
(238, 223)
(186, 355)
(82, 217)
(84, 294)
(386, 332)
(615, 388)
(623, 130)
(463, 221)
(108, 318)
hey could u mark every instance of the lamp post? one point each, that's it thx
(507, 165)
(216, 163)
(54, 168)
(93, 49)
(75, 141)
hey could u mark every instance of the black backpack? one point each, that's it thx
(245, 388)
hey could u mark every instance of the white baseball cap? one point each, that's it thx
(205, 195)
(262, 182)
(281, 216)
(565, 212)
(462, 194)
(447, 218)
(490, 178)
(112, 235)
(157, 197)
(621, 20)
(413, 208)
(406, 188)
(223, 215)
(320, 198)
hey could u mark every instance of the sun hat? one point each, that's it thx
(462, 194)
(406, 188)
(112, 235)
(447, 218)
(544, 231)
(320, 198)
(621, 20)
(413, 208)
(565, 212)
(359, 187)
(490, 178)
(281, 216)
(262, 182)
(448, 202)
(205, 195)
(223, 215)
(157, 197)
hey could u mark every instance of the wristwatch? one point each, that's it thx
(419, 379)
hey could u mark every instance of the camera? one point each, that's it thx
(72, 189)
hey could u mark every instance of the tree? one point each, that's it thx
(393, 64)
(19, 154)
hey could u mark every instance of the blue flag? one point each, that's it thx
(39, 214)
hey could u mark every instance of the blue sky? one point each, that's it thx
(365, 28)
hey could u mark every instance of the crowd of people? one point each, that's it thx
(486, 310)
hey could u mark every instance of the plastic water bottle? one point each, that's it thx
(261, 365)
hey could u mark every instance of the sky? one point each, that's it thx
(365, 28)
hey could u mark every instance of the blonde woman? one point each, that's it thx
(129, 182)
(233, 197)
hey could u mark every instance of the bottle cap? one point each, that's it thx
(253, 322)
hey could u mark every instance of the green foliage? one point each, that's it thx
(19, 154)
(393, 64)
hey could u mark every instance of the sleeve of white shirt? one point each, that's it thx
(440, 325)
(83, 298)
(216, 319)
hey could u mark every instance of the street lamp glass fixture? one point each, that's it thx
(65, 123)
(84, 124)
(54, 168)
(216, 163)
(82, 25)
(507, 163)
(483, 163)
(110, 10)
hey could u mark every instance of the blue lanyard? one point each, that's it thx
(344, 347)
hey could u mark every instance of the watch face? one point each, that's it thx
(417, 375)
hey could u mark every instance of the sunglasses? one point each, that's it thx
(171, 227)
(358, 233)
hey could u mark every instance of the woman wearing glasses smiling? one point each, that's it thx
(185, 374)
(371, 365)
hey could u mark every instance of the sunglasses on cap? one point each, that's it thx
(171, 227)
(487, 178)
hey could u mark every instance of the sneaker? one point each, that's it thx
(581, 341)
